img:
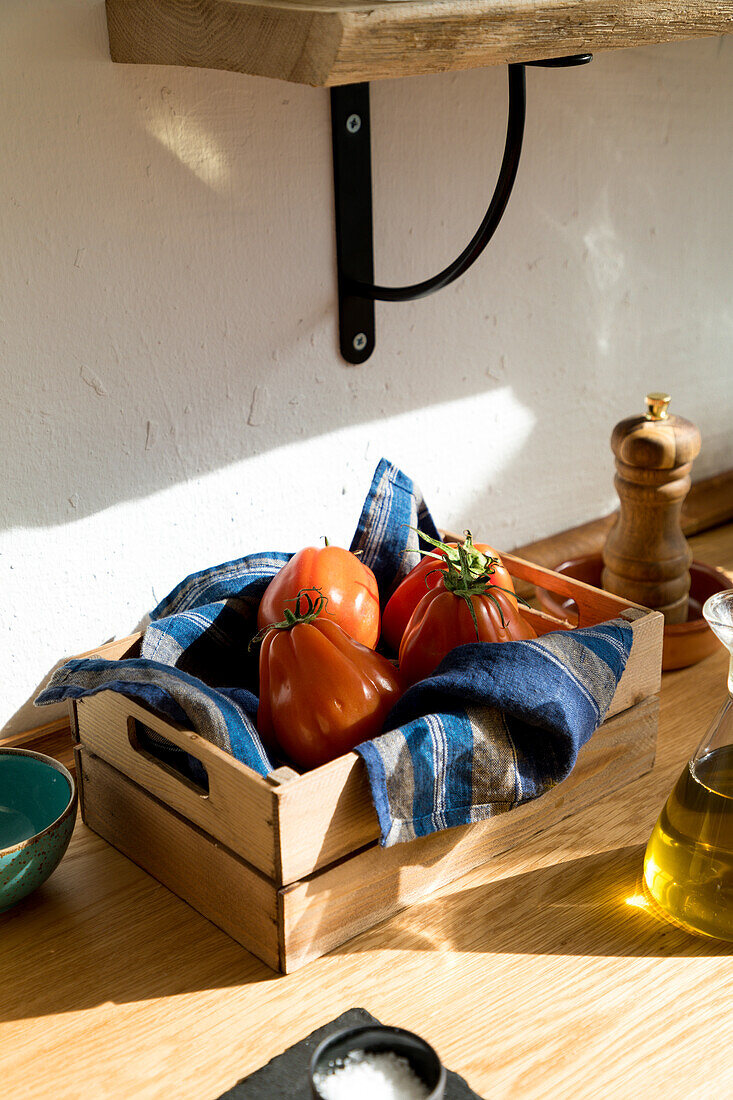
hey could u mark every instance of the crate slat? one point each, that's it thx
(289, 926)
(323, 815)
(207, 875)
(239, 808)
(338, 903)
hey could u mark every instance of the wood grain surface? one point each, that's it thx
(239, 807)
(52, 738)
(344, 41)
(540, 975)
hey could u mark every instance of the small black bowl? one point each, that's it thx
(376, 1039)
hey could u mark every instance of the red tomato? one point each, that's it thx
(349, 586)
(442, 620)
(427, 574)
(321, 693)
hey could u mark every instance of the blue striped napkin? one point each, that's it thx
(493, 727)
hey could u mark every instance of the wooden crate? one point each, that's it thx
(290, 865)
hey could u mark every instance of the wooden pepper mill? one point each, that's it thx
(646, 557)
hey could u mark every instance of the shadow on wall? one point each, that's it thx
(170, 285)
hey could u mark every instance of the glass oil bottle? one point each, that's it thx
(688, 867)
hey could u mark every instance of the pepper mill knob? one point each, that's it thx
(646, 557)
(657, 405)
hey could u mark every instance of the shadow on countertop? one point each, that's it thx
(64, 949)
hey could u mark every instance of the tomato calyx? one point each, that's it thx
(466, 572)
(463, 582)
(479, 564)
(313, 609)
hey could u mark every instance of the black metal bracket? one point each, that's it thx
(352, 172)
(352, 178)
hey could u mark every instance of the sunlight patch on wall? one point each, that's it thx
(447, 448)
(606, 261)
(114, 565)
(467, 442)
(190, 143)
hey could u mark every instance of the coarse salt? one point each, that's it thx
(363, 1075)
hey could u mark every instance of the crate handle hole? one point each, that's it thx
(159, 750)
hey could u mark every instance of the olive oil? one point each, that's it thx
(688, 868)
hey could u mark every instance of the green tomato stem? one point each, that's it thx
(480, 564)
(297, 617)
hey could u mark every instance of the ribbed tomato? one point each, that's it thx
(321, 692)
(481, 559)
(443, 620)
(349, 586)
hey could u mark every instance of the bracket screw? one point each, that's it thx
(353, 124)
(359, 341)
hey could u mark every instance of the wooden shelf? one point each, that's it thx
(328, 42)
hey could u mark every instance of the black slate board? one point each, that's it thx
(286, 1076)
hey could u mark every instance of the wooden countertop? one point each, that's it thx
(536, 976)
(326, 42)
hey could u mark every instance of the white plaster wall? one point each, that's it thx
(172, 394)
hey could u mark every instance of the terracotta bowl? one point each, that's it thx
(684, 643)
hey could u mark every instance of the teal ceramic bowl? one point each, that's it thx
(37, 814)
